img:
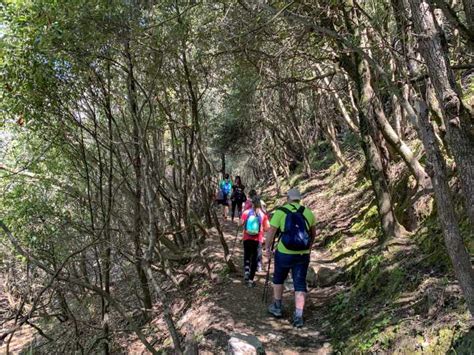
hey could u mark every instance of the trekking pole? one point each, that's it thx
(235, 241)
(267, 279)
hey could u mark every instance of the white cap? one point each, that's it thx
(294, 194)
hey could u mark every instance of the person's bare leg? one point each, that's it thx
(275, 307)
(277, 293)
(299, 306)
(300, 298)
(226, 209)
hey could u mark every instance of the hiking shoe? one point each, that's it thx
(274, 310)
(298, 322)
(251, 284)
(246, 276)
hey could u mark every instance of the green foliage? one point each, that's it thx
(321, 156)
(340, 304)
(367, 223)
(430, 240)
(235, 125)
(373, 334)
(462, 343)
(468, 95)
(296, 179)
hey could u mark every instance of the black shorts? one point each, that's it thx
(224, 201)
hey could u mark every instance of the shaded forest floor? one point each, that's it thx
(399, 296)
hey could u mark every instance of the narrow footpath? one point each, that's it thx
(239, 309)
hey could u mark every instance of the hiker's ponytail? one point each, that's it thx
(256, 204)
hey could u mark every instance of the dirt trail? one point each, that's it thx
(22, 337)
(249, 313)
(243, 311)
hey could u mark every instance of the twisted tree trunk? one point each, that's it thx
(458, 120)
(446, 212)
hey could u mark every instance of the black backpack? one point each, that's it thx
(239, 194)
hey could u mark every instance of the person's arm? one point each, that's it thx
(272, 232)
(243, 219)
(269, 239)
(266, 222)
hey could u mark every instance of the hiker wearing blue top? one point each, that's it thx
(295, 226)
(225, 187)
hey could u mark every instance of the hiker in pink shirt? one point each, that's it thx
(248, 205)
(255, 223)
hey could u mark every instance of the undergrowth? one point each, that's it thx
(397, 298)
(400, 297)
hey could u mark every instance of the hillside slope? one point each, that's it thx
(394, 297)
(397, 296)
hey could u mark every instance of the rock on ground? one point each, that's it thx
(323, 276)
(243, 344)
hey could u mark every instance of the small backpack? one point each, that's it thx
(252, 225)
(295, 237)
(239, 194)
(226, 187)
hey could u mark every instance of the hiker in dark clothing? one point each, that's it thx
(238, 196)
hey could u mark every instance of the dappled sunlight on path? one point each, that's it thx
(248, 313)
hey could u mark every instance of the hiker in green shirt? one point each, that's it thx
(295, 225)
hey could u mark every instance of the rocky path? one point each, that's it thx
(248, 313)
(241, 310)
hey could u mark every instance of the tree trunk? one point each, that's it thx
(469, 12)
(453, 18)
(149, 255)
(402, 149)
(390, 225)
(340, 104)
(227, 256)
(458, 120)
(390, 135)
(446, 212)
(397, 112)
(277, 178)
(330, 133)
(137, 166)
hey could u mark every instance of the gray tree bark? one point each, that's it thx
(458, 120)
(446, 212)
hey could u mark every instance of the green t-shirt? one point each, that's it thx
(278, 221)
